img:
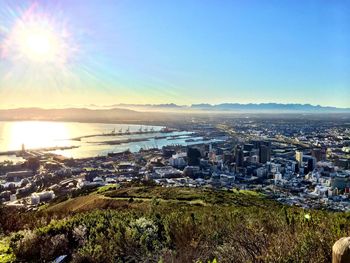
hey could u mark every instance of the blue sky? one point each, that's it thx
(189, 51)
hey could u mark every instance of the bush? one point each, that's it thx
(176, 231)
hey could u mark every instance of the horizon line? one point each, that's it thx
(111, 106)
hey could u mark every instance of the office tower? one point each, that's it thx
(239, 156)
(193, 156)
(299, 157)
(311, 163)
(319, 154)
(264, 153)
(248, 147)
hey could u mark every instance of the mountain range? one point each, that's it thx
(141, 113)
(236, 107)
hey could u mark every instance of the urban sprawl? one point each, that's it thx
(301, 161)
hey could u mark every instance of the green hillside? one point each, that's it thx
(154, 224)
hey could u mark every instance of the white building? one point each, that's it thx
(83, 183)
(178, 160)
(13, 197)
(44, 196)
(321, 191)
(166, 172)
(277, 178)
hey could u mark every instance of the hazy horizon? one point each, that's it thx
(87, 52)
(165, 106)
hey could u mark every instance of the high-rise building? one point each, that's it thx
(319, 154)
(248, 147)
(264, 153)
(264, 148)
(239, 156)
(193, 156)
(311, 163)
(299, 157)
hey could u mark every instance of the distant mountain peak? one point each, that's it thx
(268, 107)
(234, 107)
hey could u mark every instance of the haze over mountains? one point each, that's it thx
(70, 114)
(160, 112)
(140, 112)
(233, 107)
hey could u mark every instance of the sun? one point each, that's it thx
(37, 39)
(38, 44)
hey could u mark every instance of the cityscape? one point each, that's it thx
(302, 161)
(174, 131)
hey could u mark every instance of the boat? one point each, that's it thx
(166, 129)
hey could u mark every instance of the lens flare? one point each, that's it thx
(37, 38)
(38, 45)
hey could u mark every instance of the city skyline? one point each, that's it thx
(83, 52)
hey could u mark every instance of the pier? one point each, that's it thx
(126, 132)
(33, 151)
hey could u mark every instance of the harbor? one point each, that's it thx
(84, 140)
(127, 131)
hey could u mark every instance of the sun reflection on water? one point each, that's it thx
(90, 138)
(36, 134)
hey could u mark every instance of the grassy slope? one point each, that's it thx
(242, 214)
(117, 198)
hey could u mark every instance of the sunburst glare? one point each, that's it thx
(35, 38)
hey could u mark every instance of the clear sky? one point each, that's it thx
(81, 52)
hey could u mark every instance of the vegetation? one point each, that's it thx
(107, 188)
(153, 224)
(5, 252)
